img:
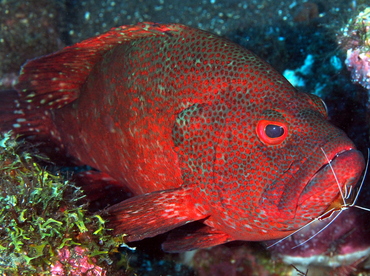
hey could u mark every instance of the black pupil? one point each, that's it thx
(274, 131)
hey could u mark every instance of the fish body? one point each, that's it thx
(196, 126)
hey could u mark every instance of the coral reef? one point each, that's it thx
(44, 230)
(355, 38)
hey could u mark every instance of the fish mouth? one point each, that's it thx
(329, 164)
(340, 171)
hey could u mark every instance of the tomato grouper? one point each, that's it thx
(195, 126)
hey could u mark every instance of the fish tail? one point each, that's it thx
(20, 117)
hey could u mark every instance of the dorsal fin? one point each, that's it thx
(54, 80)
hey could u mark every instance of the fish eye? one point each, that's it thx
(271, 132)
(274, 131)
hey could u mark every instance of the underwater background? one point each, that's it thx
(322, 47)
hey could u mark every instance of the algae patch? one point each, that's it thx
(41, 219)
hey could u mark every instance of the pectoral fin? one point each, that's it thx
(151, 214)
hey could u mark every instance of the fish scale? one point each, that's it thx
(195, 126)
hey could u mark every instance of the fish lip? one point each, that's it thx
(309, 188)
(329, 161)
(353, 173)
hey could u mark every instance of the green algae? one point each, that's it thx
(40, 214)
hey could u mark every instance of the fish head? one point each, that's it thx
(269, 166)
(324, 165)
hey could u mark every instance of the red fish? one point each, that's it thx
(197, 127)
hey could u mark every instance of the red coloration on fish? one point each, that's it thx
(197, 127)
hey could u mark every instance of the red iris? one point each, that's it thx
(271, 132)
